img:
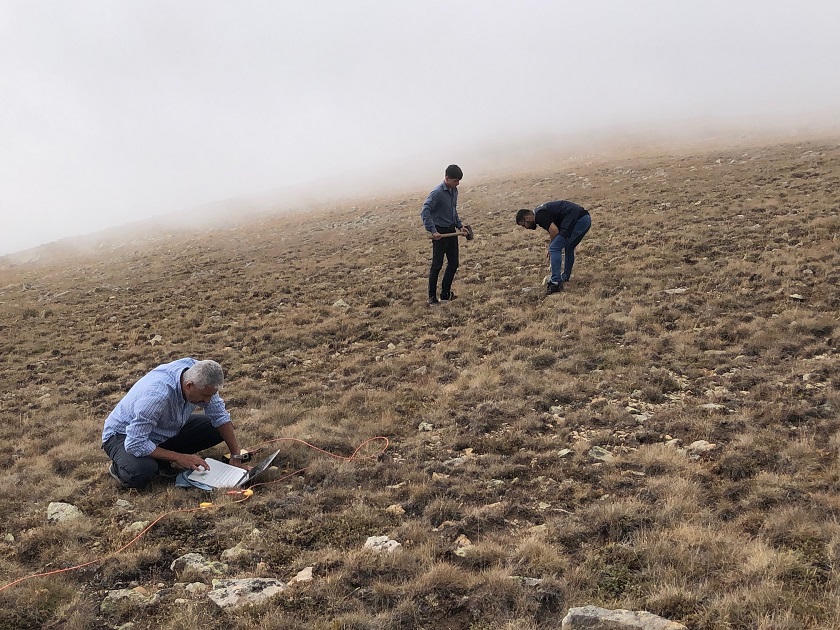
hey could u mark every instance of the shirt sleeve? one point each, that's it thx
(147, 412)
(216, 411)
(426, 212)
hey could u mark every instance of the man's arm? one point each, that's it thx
(184, 460)
(426, 214)
(229, 436)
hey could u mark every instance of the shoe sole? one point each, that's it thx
(114, 476)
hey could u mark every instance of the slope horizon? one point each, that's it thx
(489, 159)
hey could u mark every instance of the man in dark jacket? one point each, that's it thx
(566, 224)
(440, 216)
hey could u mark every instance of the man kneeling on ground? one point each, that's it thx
(153, 427)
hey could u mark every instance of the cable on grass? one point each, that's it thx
(206, 505)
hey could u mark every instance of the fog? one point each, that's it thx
(113, 111)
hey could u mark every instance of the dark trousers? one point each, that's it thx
(444, 247)
(137, 472)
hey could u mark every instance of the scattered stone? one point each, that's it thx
(156, 340)
(464, 545)
(797, 297)
(425, 426)
(712, 407)
(197, 588)
(58, 512)
(601, 454)
(421, 370)
(677, 291)
(700, 446)
(304, 575)
(340, 304)
(594, 618)
(124, 505)
(135, 528)
(563, 452)
(233, 594)
(196, 563)
(396, 509)
(382, 544)
(238, 553)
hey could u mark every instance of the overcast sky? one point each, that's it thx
(113, 111)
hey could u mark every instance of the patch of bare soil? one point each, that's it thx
(663, 435)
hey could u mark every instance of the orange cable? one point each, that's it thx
(207, 505)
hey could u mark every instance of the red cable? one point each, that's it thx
(204, 506)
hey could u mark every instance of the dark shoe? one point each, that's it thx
(553, 287)
(433, 301)
(112, 470)
(447, 298)
(166, 470)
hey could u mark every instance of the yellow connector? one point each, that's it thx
(245, 456)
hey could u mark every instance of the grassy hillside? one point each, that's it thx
(565, 431)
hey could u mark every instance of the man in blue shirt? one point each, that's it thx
(566, 223)
(440, 216)
(153, 427)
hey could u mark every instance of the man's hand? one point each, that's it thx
(191, 462)
(436, 236)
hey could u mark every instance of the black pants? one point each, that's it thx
(137, 472)
(444, 247)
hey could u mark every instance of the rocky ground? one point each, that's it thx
(661, 436)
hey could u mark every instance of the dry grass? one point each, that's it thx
(518, 391)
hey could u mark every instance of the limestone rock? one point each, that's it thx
(233, 594)
(236, 554)
(196, 564)
(594, 618)
(58, 512)
(382, 544)
(304, 575)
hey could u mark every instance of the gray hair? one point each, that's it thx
(204, 373)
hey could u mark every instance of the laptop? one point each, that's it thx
(222, 475)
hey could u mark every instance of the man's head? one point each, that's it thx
(525, 218)
(453, 175)
(202, 381)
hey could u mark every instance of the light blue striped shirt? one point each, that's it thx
(155, 409)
